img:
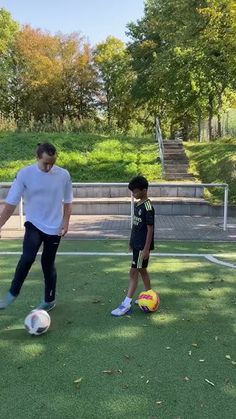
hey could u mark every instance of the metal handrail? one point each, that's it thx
(160, 142)
(169, 185)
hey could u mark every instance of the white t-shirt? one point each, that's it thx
(44, 194)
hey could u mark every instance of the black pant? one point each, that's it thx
(32, 241)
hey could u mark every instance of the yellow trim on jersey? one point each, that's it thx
(148, 205)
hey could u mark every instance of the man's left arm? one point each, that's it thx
(66, 218)
(68, 197)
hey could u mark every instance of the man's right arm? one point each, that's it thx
(13, 198)
(6, 214)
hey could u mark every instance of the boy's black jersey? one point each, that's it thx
(144, 215)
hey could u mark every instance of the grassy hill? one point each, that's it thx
(88, 157)
(214, 163)
(100, 158)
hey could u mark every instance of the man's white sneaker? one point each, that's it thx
(121, 310)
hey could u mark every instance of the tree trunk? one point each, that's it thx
(199, 127)
(210, 116)
(172, 132)
(219, 126)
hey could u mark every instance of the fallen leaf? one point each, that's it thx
(233, 363)
(109, 372)
(216, 338)
(147, 381)
(195, 345)
(187, 379)
(190, 353)
(228, 357)
(159, 402)
(209, 382)
(78, 382)
(201, 360)
(167, 347)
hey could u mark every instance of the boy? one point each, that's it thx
(47, 190)
(141, 241)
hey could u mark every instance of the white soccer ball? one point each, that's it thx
(37, 322)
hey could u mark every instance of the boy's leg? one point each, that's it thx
(50, 246)
(125, 306)
(145, 275)
(133, 282)
(31, 244)
(146, 278)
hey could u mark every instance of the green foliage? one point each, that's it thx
(215, 163)
(8, 31)
(184, 56)
(113, 63)
(88, 157)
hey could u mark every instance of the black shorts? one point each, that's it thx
(138, 261)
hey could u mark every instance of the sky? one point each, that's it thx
(95, 19)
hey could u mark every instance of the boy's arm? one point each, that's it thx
(146, 249)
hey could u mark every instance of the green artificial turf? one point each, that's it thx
(126, 365)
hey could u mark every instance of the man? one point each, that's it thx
(46, 189)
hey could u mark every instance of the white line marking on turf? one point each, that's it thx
(210, 258)
(213, 259)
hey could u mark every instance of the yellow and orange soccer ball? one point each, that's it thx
(148, 301)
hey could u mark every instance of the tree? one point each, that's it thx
(116, 78)
(56, 75)
(8, 32)
(183, 55)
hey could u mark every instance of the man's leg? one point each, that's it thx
(31, 244)
(50, 247)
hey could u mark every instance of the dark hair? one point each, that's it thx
(46, 148)
(138, 182)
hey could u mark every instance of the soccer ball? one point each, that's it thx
(37, 322)
(148, 301)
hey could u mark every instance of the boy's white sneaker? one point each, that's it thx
(121, 310)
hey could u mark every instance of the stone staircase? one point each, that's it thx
(175, 161)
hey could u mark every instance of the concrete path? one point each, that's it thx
(118, 227)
